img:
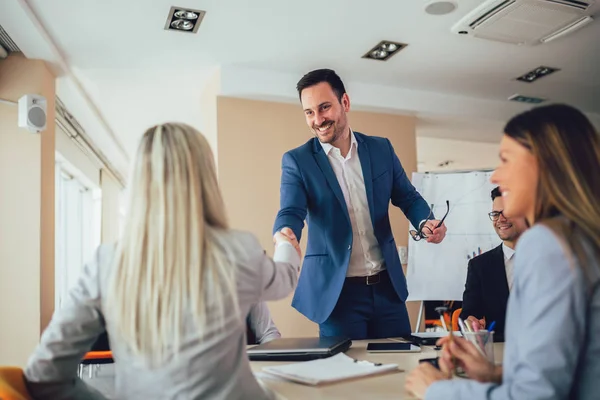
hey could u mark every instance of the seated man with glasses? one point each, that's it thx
(490, 275)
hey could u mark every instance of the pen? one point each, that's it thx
(491, 328)
(443, 322)
(462, 326)
(450, 340)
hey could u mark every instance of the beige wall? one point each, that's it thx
(26, 213)
(465, 155)
(252, 137)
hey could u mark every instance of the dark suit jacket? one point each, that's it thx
(310, 190)
(486, 290)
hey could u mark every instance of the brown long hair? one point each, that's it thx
(567, 149)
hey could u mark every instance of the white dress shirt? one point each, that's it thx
(508, 264)
(365, 258)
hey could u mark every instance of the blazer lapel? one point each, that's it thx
(325, 166)
(365, 163)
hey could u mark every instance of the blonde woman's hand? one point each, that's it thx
(287, 235)
(419, 380)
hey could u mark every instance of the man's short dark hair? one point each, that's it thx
(322, 75)
(496, 193)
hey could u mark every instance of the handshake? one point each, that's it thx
(287, 235)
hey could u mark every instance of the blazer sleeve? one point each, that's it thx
(51, 372)
(260, 277)
(293, 198)
(405, 196)
(550, 300)
(472, 296)
(279, 276)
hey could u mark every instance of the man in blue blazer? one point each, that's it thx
(342, 182)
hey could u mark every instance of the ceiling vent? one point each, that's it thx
(6, 44)
(524, 22)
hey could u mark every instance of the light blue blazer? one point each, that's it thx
(552, 348)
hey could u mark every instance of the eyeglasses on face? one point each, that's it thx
(425, 231)
(494, 215)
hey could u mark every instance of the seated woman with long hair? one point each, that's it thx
(173, 293)
(548, 174)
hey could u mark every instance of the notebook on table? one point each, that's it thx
(334, 369)
(298, 349)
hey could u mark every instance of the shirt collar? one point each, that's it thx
(508, 252)
(353, 143)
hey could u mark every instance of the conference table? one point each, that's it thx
(385, 386)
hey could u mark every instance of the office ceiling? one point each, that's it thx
(139, 73)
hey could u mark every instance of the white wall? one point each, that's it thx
(68, 152)
(464, 155)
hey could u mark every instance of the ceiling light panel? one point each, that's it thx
(384, 50)
(526, 99)
(184, 19)
(536, 74)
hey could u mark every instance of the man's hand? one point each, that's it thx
(287, 235)
(476, 323)
(434, 235)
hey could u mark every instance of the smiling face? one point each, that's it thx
(518, 176)
(325, 114)
(507, 229)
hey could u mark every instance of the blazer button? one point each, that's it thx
(350, 247)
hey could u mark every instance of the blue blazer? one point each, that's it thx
(309, 186)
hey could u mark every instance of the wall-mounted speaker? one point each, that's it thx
(32, 112)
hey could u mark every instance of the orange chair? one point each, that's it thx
(12, 384)
(93, 359)
(455, 316)
(433, 322)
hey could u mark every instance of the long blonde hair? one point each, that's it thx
(168, 259)
(567, 149)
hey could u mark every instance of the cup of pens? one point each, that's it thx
(484, 341)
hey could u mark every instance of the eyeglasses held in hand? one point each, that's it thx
(425, 230)
(494, 215)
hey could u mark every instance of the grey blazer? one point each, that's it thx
(552, 348)
(214, 366)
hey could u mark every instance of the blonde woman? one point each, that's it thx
(548, 174)
(173, 294)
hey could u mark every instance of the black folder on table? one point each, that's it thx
(298, 349)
